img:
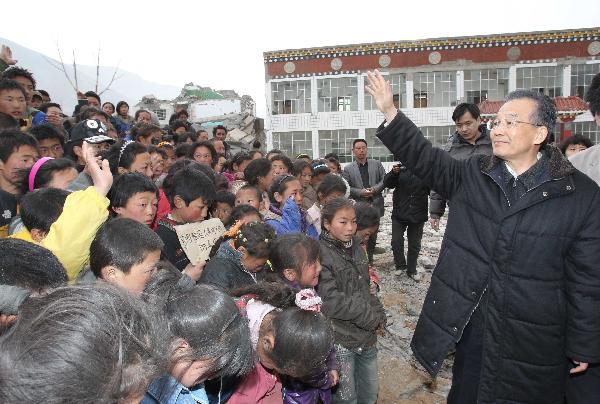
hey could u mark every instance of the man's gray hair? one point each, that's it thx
(545, 111)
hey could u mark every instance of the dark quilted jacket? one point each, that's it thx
(537, 260)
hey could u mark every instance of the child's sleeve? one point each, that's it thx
(71, 235)
(291, 218)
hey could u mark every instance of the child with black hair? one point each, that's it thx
(208, 337)
(129, 157)
(145, 133)
(170, 158)
(18, 151)
(38, 211)
(204, 153)
(51, 141)
(81, 345)
(182, 150)
(223, 205)
(134, 196)
(281, 165)
(15, 104)
(244, 214)
(157, 162)
(241, 256)
(303, 170)
(25, 268)
(49, 172)
(70, 236)
(295, 259)
(190, 193)
(367, 224)
(249, 195)
(332, 186)
(355, 313)
(259, 173)
(124, 253)
(285, 213)
(293, 340)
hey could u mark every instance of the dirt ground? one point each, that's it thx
(402, 380)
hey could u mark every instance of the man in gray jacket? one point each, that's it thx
(471, 138)
(365, 177)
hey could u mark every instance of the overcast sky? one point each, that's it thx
(220, 43)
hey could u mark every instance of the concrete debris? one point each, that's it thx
(208, 108)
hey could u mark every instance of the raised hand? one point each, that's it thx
(381, 91)
(98, 169)
(195, 271)
(7, 56)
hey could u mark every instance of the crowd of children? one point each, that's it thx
(99, 301)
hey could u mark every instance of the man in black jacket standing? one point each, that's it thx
(517, 285)
(470, 138)
(409, 215)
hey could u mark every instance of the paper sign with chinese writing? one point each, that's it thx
(197, 239)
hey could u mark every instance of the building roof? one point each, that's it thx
(565, 107)
(520, 38)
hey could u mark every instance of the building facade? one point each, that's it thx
(317, 103)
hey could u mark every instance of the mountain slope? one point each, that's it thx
(129, 87)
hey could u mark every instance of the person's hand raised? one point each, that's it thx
(6, 56)
(97, 168)
(381, 91)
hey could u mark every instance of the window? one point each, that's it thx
(337, 141)
(398, 83)
(589, 129)
(489, 84)
(290, 97)
(544, 79)
(438, 135)
(434, 89)
(376, 149)
(160, 113)
(581, 77)
(293, 143)
(337, 94)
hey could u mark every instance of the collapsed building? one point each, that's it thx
(208, 108)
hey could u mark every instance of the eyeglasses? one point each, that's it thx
(507, 124)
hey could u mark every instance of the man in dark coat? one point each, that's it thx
(409, 215)
(517, 285)
(470, 138)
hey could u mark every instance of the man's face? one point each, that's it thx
(51, 148)
(13, 103)
(360, 150)
(468, 127)
(144, 117)
(27, 85)
(517, 137)
(220, 134)
(22, 158)
(93, 102)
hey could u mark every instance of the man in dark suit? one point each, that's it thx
(365, 177)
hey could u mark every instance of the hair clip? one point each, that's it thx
(308, 300)
(127, 143)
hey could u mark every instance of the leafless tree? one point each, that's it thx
(60, 65)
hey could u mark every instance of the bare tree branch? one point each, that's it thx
(75, 71)
(113, 79)
(63, 69)
(98, 68)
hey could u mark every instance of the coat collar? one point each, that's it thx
(559, 166)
